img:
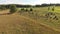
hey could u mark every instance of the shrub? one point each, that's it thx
(53, 9)
(22, 9)
(12, 8)
(31, 9)
(26, 9)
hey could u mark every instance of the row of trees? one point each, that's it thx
(14, 6)
(27, 6)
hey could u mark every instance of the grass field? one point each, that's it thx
(41, 12)
(28, 23)
(16, 24)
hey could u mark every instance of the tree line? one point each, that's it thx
(13, 7)
(26, 6)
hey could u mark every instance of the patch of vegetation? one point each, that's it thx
(38, 13)
(26, 10)
(31, 9)
(2, 7)
(13, 9)
(22, 9)
(51, 16)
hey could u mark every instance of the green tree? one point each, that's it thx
(12, 8)
(2, 7)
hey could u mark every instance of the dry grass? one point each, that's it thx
(16, 24)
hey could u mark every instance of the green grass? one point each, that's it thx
(41, 11)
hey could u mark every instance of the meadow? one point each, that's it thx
(39, 16)
(30, 22)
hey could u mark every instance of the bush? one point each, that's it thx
(26, 9)
(22, 9)
(53, 9)
(12, 8)
(31, 9)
